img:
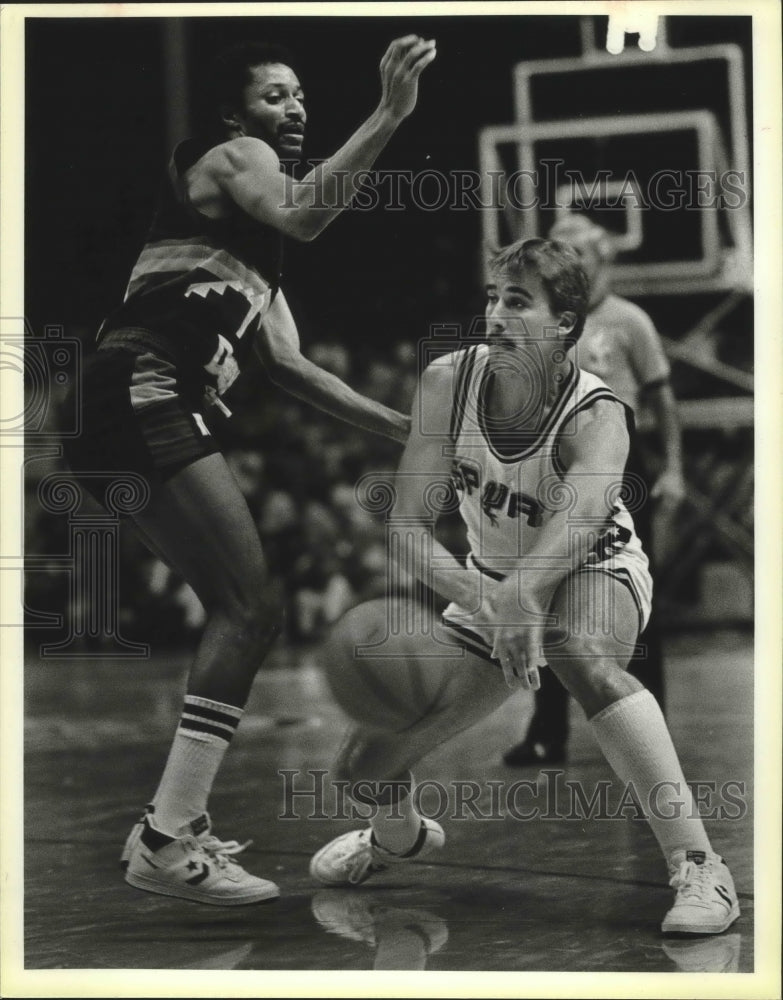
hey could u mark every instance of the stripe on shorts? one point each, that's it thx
(471, 641)
(622, 576)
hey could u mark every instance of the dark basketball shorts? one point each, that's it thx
(137, 416)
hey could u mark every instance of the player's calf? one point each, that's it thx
(595, 683)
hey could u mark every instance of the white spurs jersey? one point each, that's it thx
(510, 486)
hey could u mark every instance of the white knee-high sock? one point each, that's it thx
(635, 740)
(199, 745)
(396, 824)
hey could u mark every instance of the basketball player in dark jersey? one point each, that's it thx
(556, 576)
(204, 292)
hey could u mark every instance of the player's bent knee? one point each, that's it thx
(270, 614)
(256, 619)
(594, 682)
(366, 757)
(591, 648)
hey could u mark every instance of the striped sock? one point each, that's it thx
(203, 736)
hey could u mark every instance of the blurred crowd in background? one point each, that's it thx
(363, 295)
(298, 469)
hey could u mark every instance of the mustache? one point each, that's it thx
(291, 128)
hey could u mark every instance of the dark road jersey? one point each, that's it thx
(200, 285)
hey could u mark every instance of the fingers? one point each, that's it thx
(512, 680)
(511, 661)
(409, 51)
(401, 67)
(510, 675)
(518, 660)
(424, 60)
(520, 675)
(404, 43)
(397, 49)
(420, 55)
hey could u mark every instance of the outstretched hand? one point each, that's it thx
(518, 650)
(401, 67)
(515, 633)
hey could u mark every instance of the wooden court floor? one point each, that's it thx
(556, 893)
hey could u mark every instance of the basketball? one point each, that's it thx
(385, 667)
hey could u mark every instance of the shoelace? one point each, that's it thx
(361, 860)
(223, 850)
(691, 880)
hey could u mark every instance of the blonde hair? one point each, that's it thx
(558, 266)
(576, 226)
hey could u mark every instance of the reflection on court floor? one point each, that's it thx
(557, 891)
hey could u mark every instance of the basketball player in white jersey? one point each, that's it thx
(556, 576)
(621, 345)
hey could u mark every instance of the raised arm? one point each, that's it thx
(247, 171)
(277, 345)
